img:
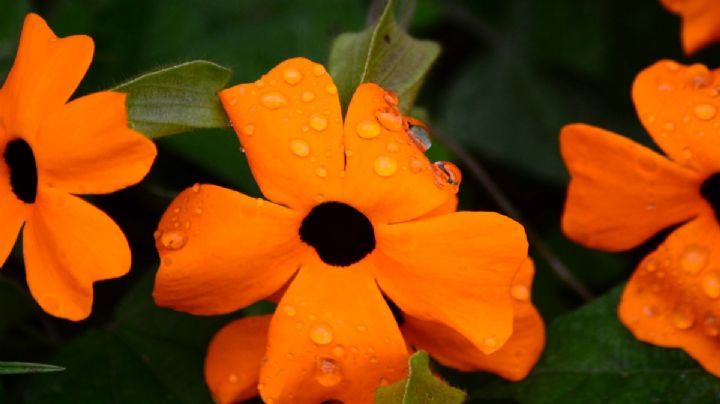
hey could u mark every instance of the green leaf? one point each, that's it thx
(384, 54)
(592, 358)
(177, 99)
(15, 368)
(419, 387)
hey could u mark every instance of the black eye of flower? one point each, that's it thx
(20, 160)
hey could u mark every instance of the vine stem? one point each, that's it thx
(479, 172)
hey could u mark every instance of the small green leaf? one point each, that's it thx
(177, 99)
(419, 387)
(384, 54)
(15, 368)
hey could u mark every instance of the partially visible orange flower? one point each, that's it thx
(700, 22)
(622, 193)
(356, 217)
(51, 150)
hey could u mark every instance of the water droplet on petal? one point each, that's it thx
(232, 378)
(338, 351)
(705, 112)
(683, 317)
(233, 101)
(318, 122)
(419, 133)
(249, 129)
(385, 166)
(520, 292)
(368, 129)
(307, 96)
(273, 100)
(711, 284)
(711, 325)
(392, 147)
(447, 174)
(292, 76)
(198, 211)
(490, 341)
(321, 334)
(196, 188)
(390, 98)
(651, 265)
(390, 119)
(415, 165)
(290, 311)
(318, 70)
(327, 372)
(259, 83)
(173, 239)
(331, 89)
(300, 147)
(699, 75)
(321, 172)
(669, 126)
(694, 258)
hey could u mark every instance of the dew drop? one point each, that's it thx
(392, 147)
(699, 75)
(321, 334)
(249, 129)
(307, 96)
(331, 89)
(318, 70)
(385, 166)
(292, 76)
(300, 147)
(447, 174)
(705, 112)
(318, 122)
(419, 133)
(290, 311)
(198, 211)
(321, 172)
(338, 351)
(327, 372)
(368, 129)
(711, 284)
(415, 165)
(173, 239)
(711, 324)
(694, 258)
(233, 101)
(390, 98)
(683, 317)
(651, 265)
(196, 188)
(669, 126)
(490, 341)
(232, 378)
(273, 100)
(520, 292)
(389, 118)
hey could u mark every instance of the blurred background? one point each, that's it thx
(511, 74)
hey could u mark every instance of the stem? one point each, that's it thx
(483, 177)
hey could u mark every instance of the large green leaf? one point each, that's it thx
(384, 54)
(11, 19)
(177, 99)
(592, 358)
(421, 386)
(149, 355)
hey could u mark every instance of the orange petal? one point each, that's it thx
(621, 193)
(672, 298)
(232, 364)
(456, 270)
(46, 72)
(290, 124)
(381, 157)
(700, 22)
(86, 147)
(68, 244)
(678, 105)
(513, 361)
(332, 337)
(221, 250)
(450, 206)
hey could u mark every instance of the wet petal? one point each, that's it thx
(46, 72)
(232, 364)
(622, 193)
(86, 146)
(678, 105)
(700, 22)
(513, 361)
(332, 337)
(673, 298)
(221, 250)
(456, 270)
(290, 124)
(68, 244)
(381, 157)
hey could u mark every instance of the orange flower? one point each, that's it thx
(700, 22)
(622, 193)
(52, 150)
(348, 226)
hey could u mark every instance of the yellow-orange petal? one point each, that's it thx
(622, 193)
(232, 363)
(513, 361)
(68, 244)
(332, 337)
(221, 250)
(455, 269)
(672, 298)
(404, 185)
(46, 72)
(679, 106)
(450, 206)
(700, 22)
(87, 147)
(290, 125)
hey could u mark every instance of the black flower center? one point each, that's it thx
(20, 160)
(710, 190)
(340, 234)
